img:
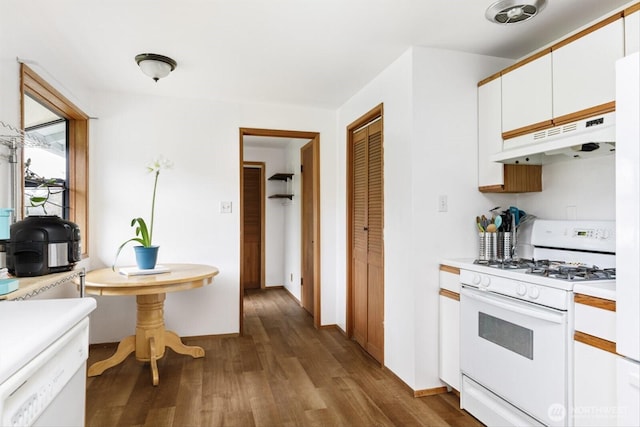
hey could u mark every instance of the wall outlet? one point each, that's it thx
(225, 207)
(443, 204)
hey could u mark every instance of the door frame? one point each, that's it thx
(314, 222)
(373, 114)
(315, 137)
(261, 166)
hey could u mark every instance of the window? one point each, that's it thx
(74, 198)
(45, 167)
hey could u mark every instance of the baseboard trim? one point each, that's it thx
(430, 391)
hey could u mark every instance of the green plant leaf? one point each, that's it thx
(133, 239)
(142, 231)
(142, 237)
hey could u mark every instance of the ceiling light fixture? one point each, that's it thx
(155, 66)
(514, 11)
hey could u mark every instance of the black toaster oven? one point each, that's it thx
(40, 245)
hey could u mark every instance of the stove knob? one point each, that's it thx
(475, 279)
(534, 292)
(485, 281)
(521, 289)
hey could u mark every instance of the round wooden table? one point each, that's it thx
(151, 337)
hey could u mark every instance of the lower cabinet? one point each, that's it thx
(449, 327)
(594, 367)
(595, 396)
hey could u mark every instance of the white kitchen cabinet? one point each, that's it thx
(584, 69)
(489, 132)
(449, 327)
(595, 362)
(496, 177)
(527, 95)
(595, 396)
(631, 31)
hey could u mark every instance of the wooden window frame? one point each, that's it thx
(78, 137)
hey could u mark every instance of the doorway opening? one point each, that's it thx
(291, 217)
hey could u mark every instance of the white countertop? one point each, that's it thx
(28, 327)
(605, 289)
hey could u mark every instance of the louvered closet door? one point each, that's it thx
(251, 264)
(368, 248)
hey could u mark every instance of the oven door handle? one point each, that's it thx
(539, 313)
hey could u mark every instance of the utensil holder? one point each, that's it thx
(503, 246)
(487, 246)
(506, 246)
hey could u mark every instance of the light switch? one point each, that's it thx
(225, 207)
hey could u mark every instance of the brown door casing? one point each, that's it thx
(308, 241)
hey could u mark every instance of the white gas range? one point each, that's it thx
(516, 323)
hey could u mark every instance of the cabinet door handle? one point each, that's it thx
(366, 228)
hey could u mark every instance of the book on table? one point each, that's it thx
(135, 271)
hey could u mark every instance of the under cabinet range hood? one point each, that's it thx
(591, 137)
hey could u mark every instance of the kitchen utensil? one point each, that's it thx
(498, 221)
(515, 213)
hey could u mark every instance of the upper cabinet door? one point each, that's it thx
(526, 96)
(584, 69)
(632, 32)
(489, 133)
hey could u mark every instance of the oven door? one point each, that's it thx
(516, 350)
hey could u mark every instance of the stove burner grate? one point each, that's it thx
(572, 271)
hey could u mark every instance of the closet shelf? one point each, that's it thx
(280, 177)
(281, 196)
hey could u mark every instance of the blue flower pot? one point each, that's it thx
(146, 257)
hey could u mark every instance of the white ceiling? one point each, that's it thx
(303, 52)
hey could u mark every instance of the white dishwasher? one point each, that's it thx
(44, 346)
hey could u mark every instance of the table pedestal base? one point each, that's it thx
(150, 340)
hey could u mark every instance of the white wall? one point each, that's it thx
(575, 189)
(430, 134)
(444, 162)
(293, 227)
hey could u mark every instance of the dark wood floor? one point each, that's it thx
(283, 372)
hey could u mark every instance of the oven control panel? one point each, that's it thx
(592, 233)
(526, 291)
(578, 235)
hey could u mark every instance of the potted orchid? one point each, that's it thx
(146, 252)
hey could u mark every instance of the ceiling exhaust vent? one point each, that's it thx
(513, 11)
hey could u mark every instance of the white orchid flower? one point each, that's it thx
(158, 164)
